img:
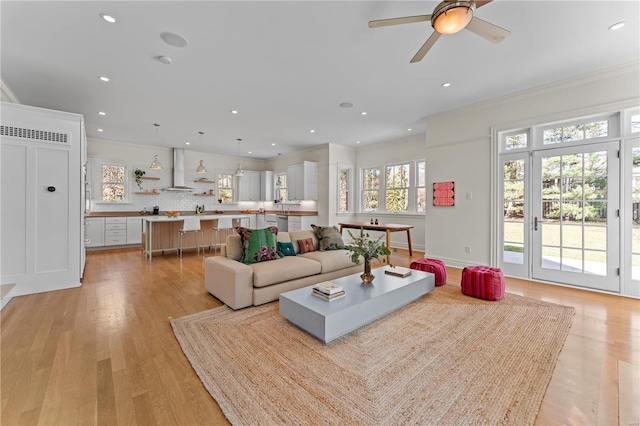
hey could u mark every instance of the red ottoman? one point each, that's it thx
(483, 282)
(434, 266)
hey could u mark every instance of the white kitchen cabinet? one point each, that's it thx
(302, 181)
(94, 231)
(298, 223)
(266, 185)
(115, 231)
(249, 186)
(134, 230)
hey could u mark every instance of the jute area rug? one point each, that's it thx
(444, 359)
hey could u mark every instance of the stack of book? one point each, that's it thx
(398, 271)
(328, 291)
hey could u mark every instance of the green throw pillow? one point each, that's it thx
(329, 238)
(259, 245)
(287, 249)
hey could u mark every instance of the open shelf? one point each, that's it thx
(147, 193)
(204, 181)
(149, 178)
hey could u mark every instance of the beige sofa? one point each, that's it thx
(239, 285)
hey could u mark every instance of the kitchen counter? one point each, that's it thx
(160, 232)
(226, 213)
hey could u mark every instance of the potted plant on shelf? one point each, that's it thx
(368, 249)
(139, 173)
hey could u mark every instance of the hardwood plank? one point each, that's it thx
(629, 391)
(105, 353)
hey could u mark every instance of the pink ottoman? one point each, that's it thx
(483, 282)
(434, 266)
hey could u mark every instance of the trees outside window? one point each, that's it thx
(113, 182)
(281, 187)
(397, 188)
(370, 188)
(343, 190)
(421, 187)
(225, 187)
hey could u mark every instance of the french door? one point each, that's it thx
(574, 215)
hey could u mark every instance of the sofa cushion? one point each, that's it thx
(286, 269)
(329, 238)
(332, 260)
(294, 236)
(258, 245)
(286, 249)
(306, 246)
(233, 247)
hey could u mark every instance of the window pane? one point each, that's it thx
(573, 133)
(371, 179)
(112, 192)
(343, 201)
(370, 201)
(516, 141)
(597, 129)
(635, 123)
(421, 176)
(397, 200)
(113, 174)
(422, 200)
(514, 170)
(551, 136)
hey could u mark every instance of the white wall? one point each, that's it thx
(459, 149)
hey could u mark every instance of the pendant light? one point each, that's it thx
(201, 168)
(239, 171)
(156, 164)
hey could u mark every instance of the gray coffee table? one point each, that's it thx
(362, 304)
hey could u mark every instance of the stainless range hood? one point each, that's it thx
(178, 172)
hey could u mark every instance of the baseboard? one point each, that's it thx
(6, 294)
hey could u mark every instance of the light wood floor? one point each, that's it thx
(105, 353)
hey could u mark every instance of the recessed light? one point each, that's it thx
(346, 105)
(363, 113)
(164, 59)
(100, 130)
(173, 39)
(103, 78)
(187, 143)
(249, 152)
(273, 144)
(312, 131)
(357, 141)
(616, 26)
(408, 130)
(446, 84)
(233, 111)
(110, 19)
(102, 113)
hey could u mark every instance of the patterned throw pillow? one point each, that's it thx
(287, 249)
(258, 245)
(306, 245)
(329, 238)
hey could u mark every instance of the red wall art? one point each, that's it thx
(443, 194)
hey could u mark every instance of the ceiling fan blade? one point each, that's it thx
(425, 47)
(480, 3)
(398, 21)
(487, 30)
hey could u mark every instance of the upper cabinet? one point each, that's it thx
(302, 181)
(249, 186)
(266, 185)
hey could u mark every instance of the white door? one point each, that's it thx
(575, 211)
(631, 217)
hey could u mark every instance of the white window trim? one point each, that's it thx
(234, 192)
(412, 204)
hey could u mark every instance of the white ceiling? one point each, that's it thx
(286, 66)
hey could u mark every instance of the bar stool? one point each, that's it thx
(224, 224)
(191, 224)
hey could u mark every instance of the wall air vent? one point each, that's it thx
(33, 134)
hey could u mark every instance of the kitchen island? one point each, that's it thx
(160, 233)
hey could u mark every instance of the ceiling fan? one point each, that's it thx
(449, 17)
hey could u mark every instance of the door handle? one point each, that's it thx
(535, 223)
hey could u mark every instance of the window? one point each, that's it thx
(635, 123)
(225, 187)
(370, 187)
(516, 141)
(113, 182)
(343, 190)
(281, 187)
(397, 188)
(576, 132)
(421, 190)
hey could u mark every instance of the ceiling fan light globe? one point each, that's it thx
(451, 17)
